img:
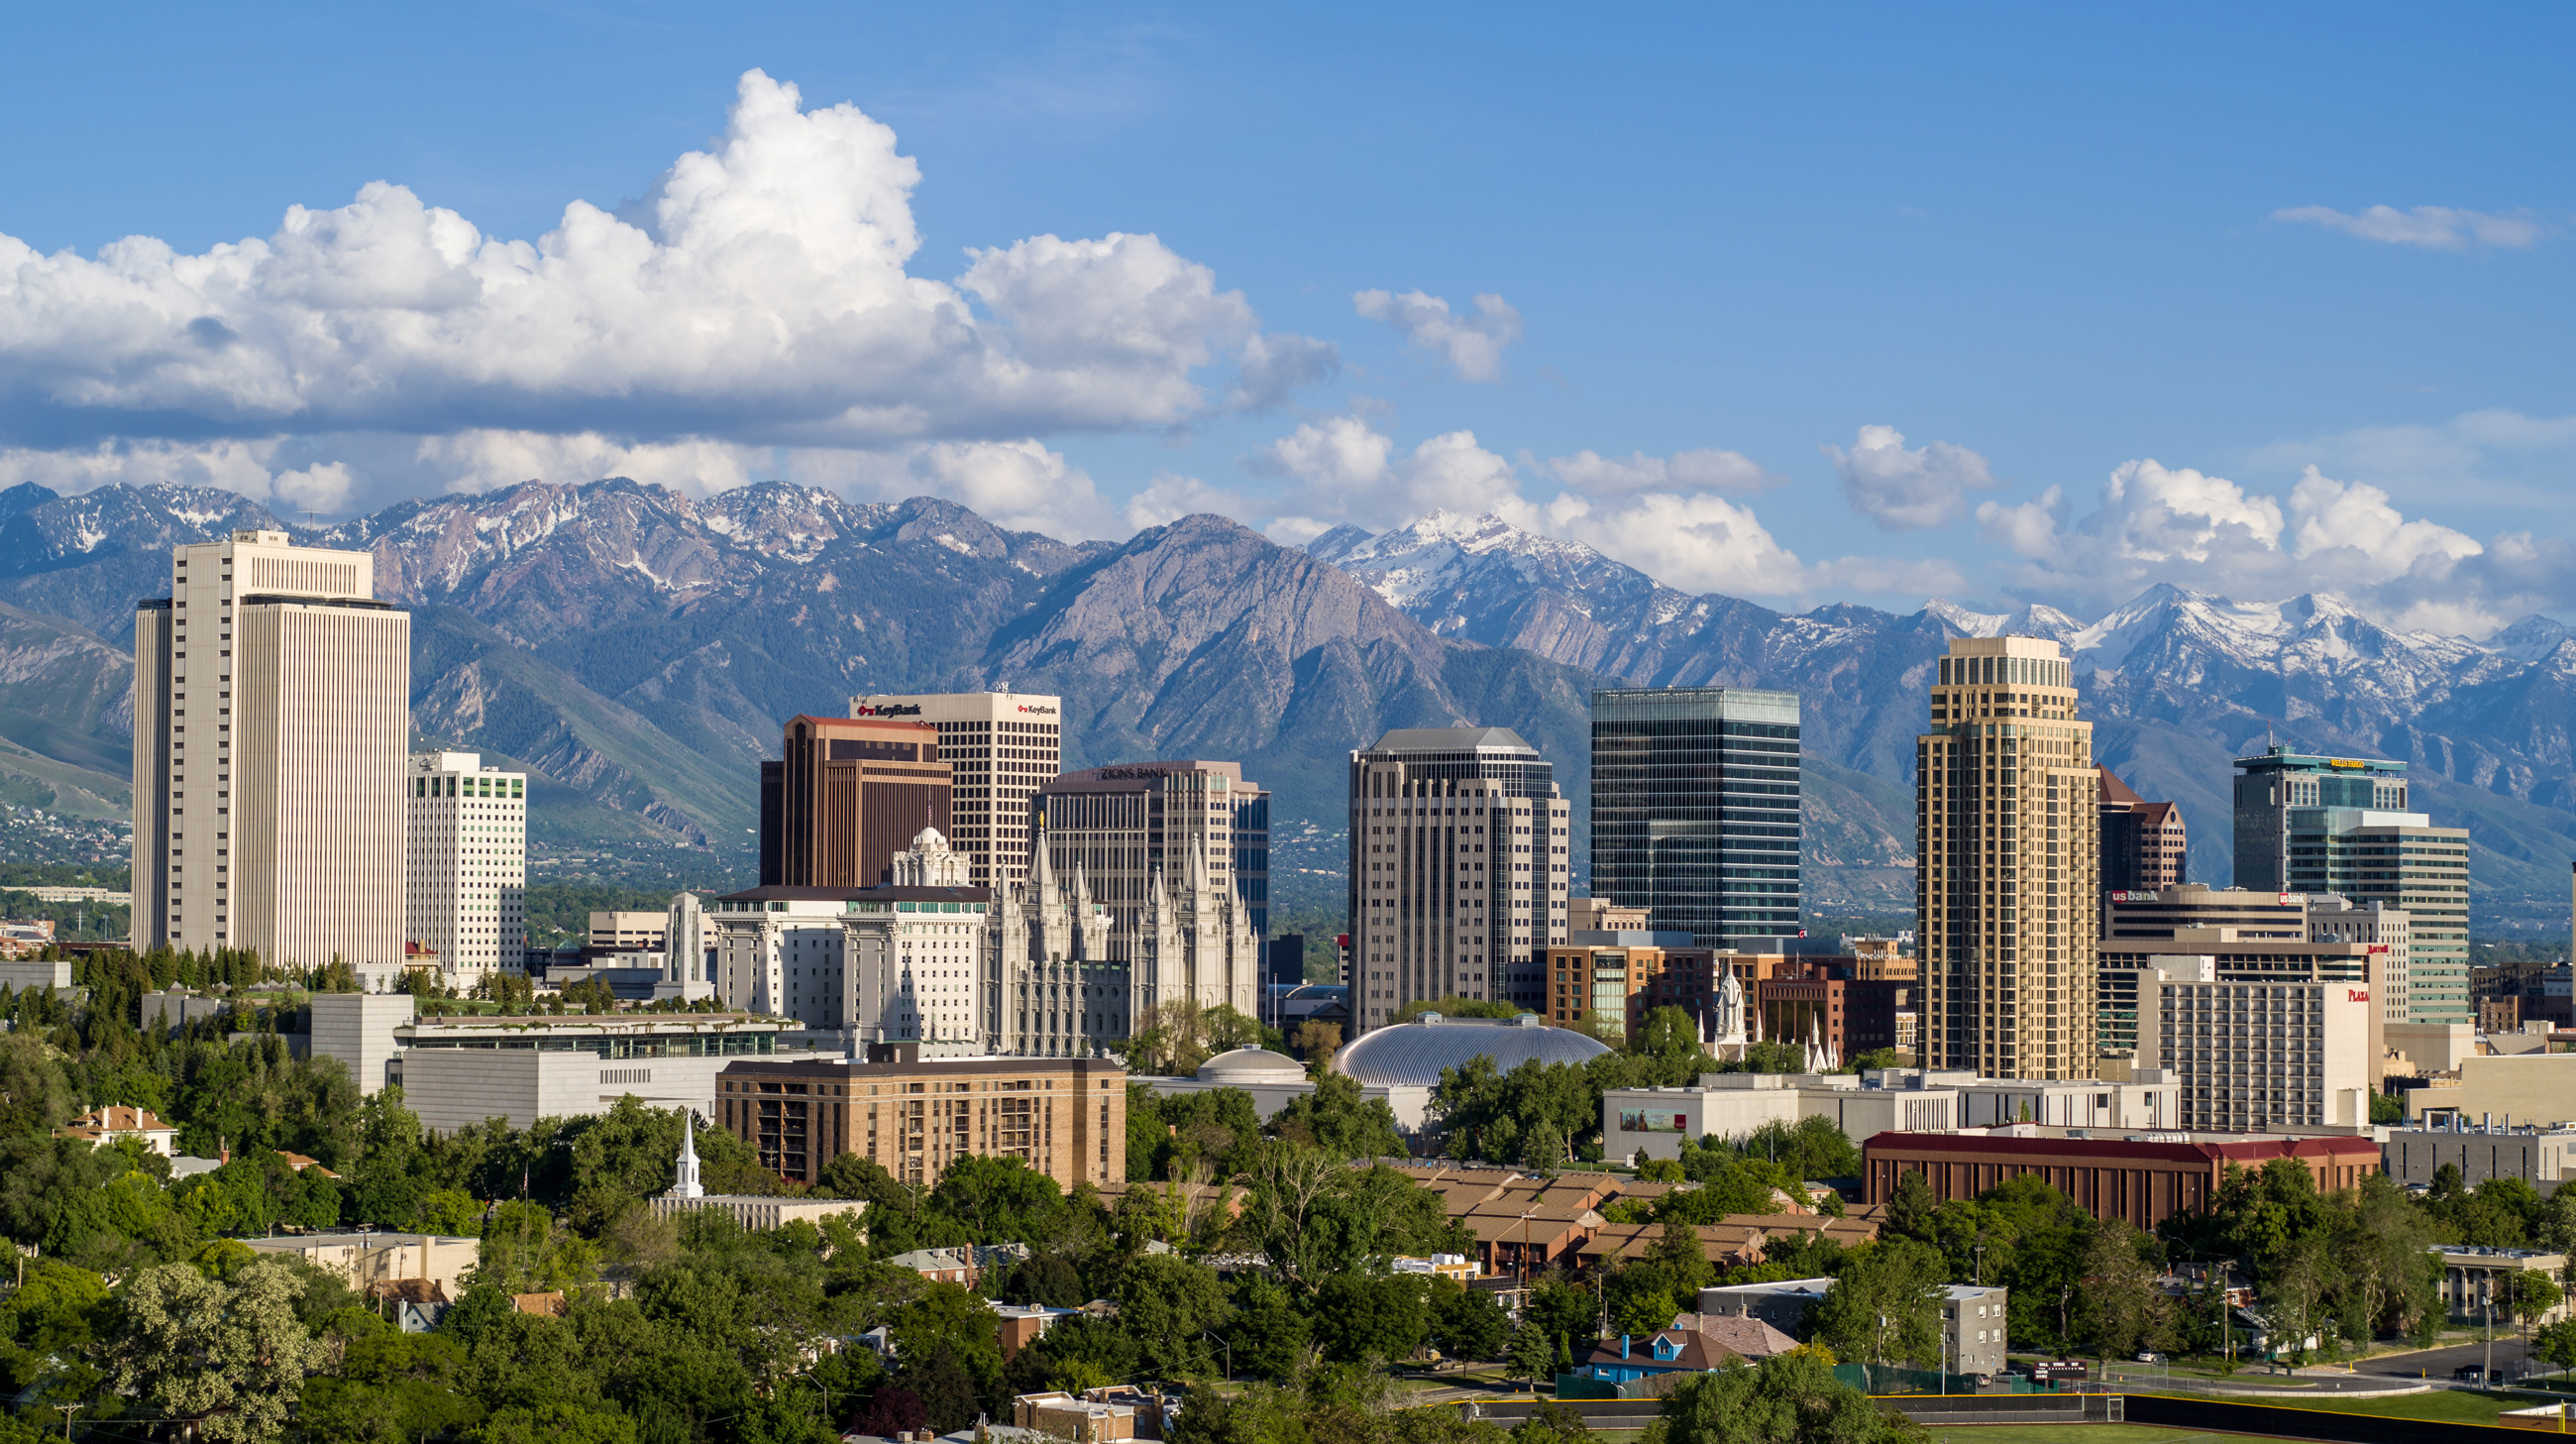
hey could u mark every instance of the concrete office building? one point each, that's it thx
(2144, 845)
(2319, 824)
(1064, 1117)
(1000, 747)
(2278, 782)
(1652, 1122)
(461, 1070)
(1117, 827)
(2008, 882)
(466, 879)
(2401, 863)
(1695, 813)
(1461, 851)
(2259, 1055)
(274, 824)
(845, 796)
(2543, 1157)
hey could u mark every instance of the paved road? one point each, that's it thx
(2437, 1364)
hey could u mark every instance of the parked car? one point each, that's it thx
(2477, 1374)
(2150, 1356)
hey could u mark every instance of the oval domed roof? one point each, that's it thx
(1252, 1065)
(1412, 1054)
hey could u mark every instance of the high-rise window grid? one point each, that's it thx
(1695, 809)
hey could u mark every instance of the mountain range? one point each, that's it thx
(636, 649)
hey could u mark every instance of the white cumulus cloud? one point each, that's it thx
(1904, 490)
(1343, 471)
(1709, 468)
(2432, 228)
(1472, 345)
(759, 295)
(2153, 523)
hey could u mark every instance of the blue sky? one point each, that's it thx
(2045, 248)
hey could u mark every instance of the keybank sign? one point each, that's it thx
(888, 709)
(1039, 711)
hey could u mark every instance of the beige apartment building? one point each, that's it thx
(913, 1116)
(2008, 886)
(272, 697)
(1000, 747)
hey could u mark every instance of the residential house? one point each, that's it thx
(103, 1126)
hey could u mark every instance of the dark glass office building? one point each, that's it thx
(1695, 808)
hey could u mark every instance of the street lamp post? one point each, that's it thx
(1229, 1353)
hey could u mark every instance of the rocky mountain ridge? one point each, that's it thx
(637, 648)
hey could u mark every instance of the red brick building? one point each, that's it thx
(2107, 1177)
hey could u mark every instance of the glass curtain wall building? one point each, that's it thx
(1695, 809)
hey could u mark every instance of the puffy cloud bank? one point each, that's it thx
(757, 297)
(1664, 516)
(2153, 523)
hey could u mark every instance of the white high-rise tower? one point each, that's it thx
(272, 711)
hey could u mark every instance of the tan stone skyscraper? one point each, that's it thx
(2008, 891)
(272, 713)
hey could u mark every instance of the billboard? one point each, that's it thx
(1640, 1120)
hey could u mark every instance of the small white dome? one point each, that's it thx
(1251, 1065)
(929, 840)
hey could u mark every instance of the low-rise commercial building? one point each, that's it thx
(912, 1116)
(2541, 1157)
(2142, 1178)
(467, 1068)
(2537, 1088)
(368, 1261)
(2477, 1283)
(1652, 1122)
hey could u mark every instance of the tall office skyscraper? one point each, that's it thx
(1695, 809)
(1118, 827)
(466, 880)
(1000, 748)
(847, 794)
(2314, 824)
(1461, 849)
(2008, 882)
(276, 821)
(2144, 846)
(2274, 785)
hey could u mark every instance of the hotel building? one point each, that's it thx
(275, 823)
(2008, 882)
